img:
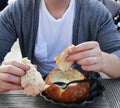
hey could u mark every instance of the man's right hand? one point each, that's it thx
(10, 75)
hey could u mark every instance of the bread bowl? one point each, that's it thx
(73, 93)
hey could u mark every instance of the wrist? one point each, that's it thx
(110, 63)
(103, 63)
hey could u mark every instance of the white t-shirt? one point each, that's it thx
(53, 36)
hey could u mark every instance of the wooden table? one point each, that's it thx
(17, 99)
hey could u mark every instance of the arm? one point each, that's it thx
(8, 33)
(9, 26)
(102, 36)
(109, 40)
(10, 71)
(111, 65)
(92, 58)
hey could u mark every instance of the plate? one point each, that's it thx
(96, 91)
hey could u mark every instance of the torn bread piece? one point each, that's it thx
(60, 59)
(32, 81)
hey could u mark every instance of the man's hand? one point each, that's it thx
(10, 75)
(88, 55)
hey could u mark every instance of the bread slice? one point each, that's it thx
(60, 59)
(32, 81)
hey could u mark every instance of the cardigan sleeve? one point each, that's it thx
(8, 34)
(19, 20)
(106, 33)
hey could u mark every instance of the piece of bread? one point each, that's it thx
(32, 81)
(60, 59)
(73, 93)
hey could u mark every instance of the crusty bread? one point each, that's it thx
(60, 59)
(32, 81)
(73, 93)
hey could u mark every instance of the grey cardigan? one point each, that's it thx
(92, 22)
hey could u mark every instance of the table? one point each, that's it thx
(17, 99)
(112, 92)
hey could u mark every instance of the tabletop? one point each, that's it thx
(17, 99)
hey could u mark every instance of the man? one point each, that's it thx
(46, 27)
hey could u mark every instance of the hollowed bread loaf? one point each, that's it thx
(73, 93)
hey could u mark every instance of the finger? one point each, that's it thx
(16, 64)
(84, 46)
(3, 90)
(83, 54)
(94, 68)
(10, 78)
(5, 86)
(87, 61)
(12, 70)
